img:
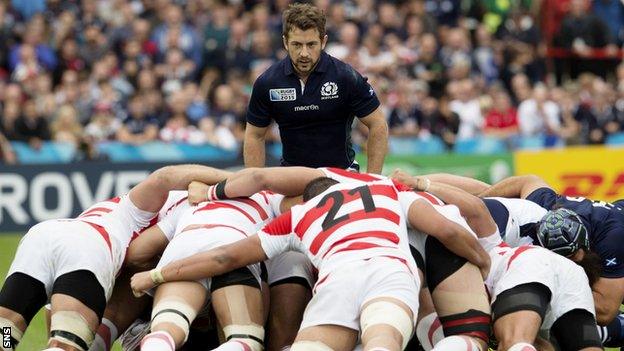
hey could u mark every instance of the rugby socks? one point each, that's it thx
(522, 346)
(429, 331)
(105, 336)
(456, 342)
(233, 345)
(612, 335)
(158, 341)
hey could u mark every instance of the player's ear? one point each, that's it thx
(324, 42)
(285, 42)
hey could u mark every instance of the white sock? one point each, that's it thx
(522, 346)
(456, 342)
(429, 331)
(105, 336)
(158, 341)
(233, 345)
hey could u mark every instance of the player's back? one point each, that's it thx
(246, 215)
(516, 219)
(351, 222)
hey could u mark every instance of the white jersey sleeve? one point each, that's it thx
(278, 236)
(169, 222)
(133, 216)
(344, 176)
(274, 201)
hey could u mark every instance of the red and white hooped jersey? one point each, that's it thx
(246, 215)
(347, 222)
(344, 176)
(501, 257)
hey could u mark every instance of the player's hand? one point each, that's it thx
(402, 177)
(197, 192)
(140, 283)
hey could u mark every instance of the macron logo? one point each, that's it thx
(611, 261)
(307, 108)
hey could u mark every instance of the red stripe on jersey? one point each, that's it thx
(280, 225)
(361, 246)
(255, 205)
(115, 200)
(264, 195)
(353, 217)
(321, 281)
(371, 234)
(365, 177)
(176, 204)
(103, 233)
(502, 244)
(96, 209)
(517, 253)
(210, 226)
(429, 198)
(316, 212)
(215, 205)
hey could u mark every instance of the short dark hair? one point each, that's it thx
(304, 17)
(317, 186)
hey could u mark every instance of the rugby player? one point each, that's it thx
(530, 286)
(73, 262)
(604, 224)
(276, 174)
(235, 296)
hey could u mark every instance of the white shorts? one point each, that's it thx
(290, 264)
(565, 279)
(339, 296)
(56, 247)
(199, 240)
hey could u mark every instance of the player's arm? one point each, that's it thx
(608, 296)
(143, 249)
(470, 185)
(472, 208)
(289, 181)
(203, 265)
(254, 146)
(518, 186)
(423, 217)
(151, 194)
(377, 144)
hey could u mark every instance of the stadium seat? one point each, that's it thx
(164, 152)
(413, 145)
(274, 150)
(483, 145)
(205, 152)
(120, 152)
(615, 139)
(50, 152)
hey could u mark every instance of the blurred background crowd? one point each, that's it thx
(89, 71)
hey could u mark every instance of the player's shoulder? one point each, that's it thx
(343, 70)
(275, 73)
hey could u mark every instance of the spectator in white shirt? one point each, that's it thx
(538, 115)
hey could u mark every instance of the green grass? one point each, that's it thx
(35, 337)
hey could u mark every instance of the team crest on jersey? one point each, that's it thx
(286, 94)
(329, 90)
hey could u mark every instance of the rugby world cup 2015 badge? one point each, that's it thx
(286, 94)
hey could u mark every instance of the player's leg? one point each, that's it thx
(387, 324)
(458, 294)
(78, 302)
(290, 280)
(238, 305)
(325, 338)
(428, 326)
(576, 330)
(390, 297)
(612, 335)
(176, 305)
(122, 309)
(518, 314)
(28, 281)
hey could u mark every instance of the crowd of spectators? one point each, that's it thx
(87, 71)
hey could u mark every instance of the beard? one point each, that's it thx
(304, 66)
(592, 265)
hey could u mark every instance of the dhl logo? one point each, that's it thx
(593, 185)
